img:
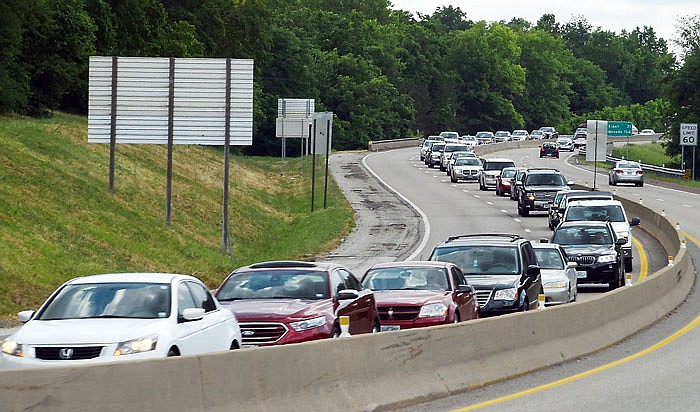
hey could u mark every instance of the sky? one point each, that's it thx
(611, 15)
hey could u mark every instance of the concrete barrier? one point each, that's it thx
(380, 145)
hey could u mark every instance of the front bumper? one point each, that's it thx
(597, 273)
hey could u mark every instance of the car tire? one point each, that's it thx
(376, 328)
(481, 186)
(452, 179)
(456, 318)
(430, 165)
(619, 281)
(173, 352)
(628, 265)
(640, 184)
(234, 345)
(336, 331)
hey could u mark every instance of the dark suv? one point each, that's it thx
(501, 267)
(538, 188)
(596, 249)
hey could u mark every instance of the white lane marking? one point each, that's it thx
(687, 206)
(476, 196)
(517, 220)
(528, 230)
(660, 200)
(489, 203)
(504, 211)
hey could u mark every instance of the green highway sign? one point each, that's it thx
(619, 128)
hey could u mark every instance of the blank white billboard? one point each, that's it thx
(143, 101)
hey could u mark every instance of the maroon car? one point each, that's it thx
(414, 294)
(283, 302)
(503, 180)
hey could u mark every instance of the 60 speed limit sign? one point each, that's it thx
(689, 134)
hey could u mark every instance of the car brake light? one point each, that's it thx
(639, 172)
(619, 171)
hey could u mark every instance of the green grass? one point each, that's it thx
(650, 153)
(58, 219)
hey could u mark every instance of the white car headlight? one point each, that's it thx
(624, 233)
(12, 347)
(555, 284)
(506, 294)
(144, 344)
(308, 324)
(607, 258)
(432, 310)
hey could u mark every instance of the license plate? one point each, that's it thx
(389, 328)
(581, 274)
(248, 346)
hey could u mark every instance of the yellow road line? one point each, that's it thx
(687, 328)
(643, 261)
(692, 239)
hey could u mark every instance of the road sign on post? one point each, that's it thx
(620, 129)
(689, 134)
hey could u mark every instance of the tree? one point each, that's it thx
(14, 84)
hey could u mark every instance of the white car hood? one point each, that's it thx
(549, 275)
(85, 331)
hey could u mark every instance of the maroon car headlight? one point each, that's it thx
(432, 310)
(308, 324)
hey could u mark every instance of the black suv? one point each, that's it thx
(502, 268)
(596, 249)
(538, 188)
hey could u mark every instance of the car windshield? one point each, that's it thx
(612, 213)
(573, 235)
(468, 161)
(497, 165)
(506, 173)
(480, 259)
(549, 258)
(484, 134)
(109, 300)
(406, 278)
(457, 148)
(275, 284)
(628, 165)
(437, 147)
(544, 180)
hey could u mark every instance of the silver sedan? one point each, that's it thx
(626, 171)
(558, 274)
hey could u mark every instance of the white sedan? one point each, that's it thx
(119, 317)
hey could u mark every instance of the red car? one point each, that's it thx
(549, 149)
(415, 294)
(503, 181)
(284, 302)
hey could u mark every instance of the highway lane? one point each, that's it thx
(665, 378)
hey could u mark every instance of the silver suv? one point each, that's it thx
(491, 169)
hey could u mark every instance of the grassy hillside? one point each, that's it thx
(58, 219)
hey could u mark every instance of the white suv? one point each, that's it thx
(610, 210)
(491, 169)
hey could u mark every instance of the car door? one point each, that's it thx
(359, 309)
(208, 334)
(532, 285)
(463, 300)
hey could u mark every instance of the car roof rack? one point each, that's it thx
(513, 237)
(283, 264)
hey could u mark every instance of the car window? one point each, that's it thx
(467, 161)
(457, 277)
(275, 284)
(184, 299)
(349, 280)
(201, 296)
(497, 165)
(544, 180)
(478, 259)
(549, 258)
(573, 235)
(612, 213)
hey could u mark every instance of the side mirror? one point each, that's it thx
(533, 271)
(544, 240)
(555, 221)
(634, 221)
(518, 183)
(191, 314)
(347, 294)
(621, 241)
(25, 315)
(465, 288)
(571, 265)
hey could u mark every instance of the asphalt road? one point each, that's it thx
(665, 378)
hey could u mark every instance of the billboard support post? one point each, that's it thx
(169, 172)
(113, 125)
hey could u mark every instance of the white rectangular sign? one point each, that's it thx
(143, 101)
(689, 134)
(322, 133)
(597, 141)
(295, 127)
(296, 108)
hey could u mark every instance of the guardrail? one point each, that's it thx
(665, 171)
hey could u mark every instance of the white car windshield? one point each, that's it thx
(109, 300)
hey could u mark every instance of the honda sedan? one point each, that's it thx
(120, 317)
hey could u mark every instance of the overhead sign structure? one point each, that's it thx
(689, 134)
(617, 129)
(146, 99)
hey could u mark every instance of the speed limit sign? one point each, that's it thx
(689, 134)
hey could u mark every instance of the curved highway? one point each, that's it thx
(654, 370)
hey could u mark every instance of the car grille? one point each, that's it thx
(547, 196)
(260, 333)
(483, 296)
(582, 260)
(398, 312)
(67, 353)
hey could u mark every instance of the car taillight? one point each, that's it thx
(619, 171)
(639, 172)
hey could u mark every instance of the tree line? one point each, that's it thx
(384, 73)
